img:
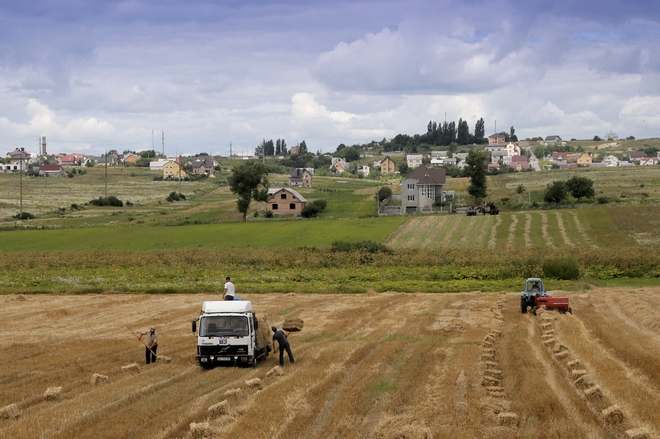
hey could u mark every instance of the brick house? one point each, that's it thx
(387, 166)
(285, 201)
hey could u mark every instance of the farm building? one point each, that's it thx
(301, 177)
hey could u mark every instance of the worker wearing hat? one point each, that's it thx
(151, 344)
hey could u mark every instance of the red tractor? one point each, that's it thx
(536, 296)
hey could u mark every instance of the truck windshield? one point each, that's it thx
(223, 326)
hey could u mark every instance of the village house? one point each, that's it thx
(648, 161)
(512, 149)
(611, 161)
(496, 139)
(387, 166)
(519, 162)
(553, 139)
(364, 170)
(338, 165)
(285, 201)
(130, 158)
(301, 177)
(635, 156)
(421, 189)
(51, 170)
(203, 165)
(414, 160)
(496, 147)
(172, 169)
(584, 159)
(157, 165)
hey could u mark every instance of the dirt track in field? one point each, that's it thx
(386, 365)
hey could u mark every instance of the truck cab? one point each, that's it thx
(227, 334)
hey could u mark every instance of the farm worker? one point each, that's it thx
(536, 286)
(283, 344)
(151, 344)
(228, 294)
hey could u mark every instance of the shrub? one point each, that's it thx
(384, 193)
(24, 216)
(311, 211)
(109, 201)
(564, 268)
(362, 246)
(322, 204)
(602, 199)
(174, 196)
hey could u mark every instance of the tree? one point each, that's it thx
(351, 154)
(249, 181)
(555, 192)
(476, 168)
(479, 130)
(463, 134)
(512, 135)
(580, 187)
(597, 139)
(383, 193)
(404, 170)
(303, 148)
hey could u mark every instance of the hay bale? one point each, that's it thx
(293, 325)
(549, 341)
(489, 338)
(549, 332)
(10, 412)
(495, 391)
(131, 368)
(200, 430)
(97, 378)
(275, 371)
(491, 365)
(547, 336)
(593, 393)
(577, 373)
(546, 326)
(264, 333)
(495, 332)
(254, 382)
(561, 355)
(489, 351)
(53, 394)
(559, 347)
(574, 364)
(613, 415)
(584, 382)
(487, 357)
(638, 433)
(493, 373)
(489, 381)
(232, 392)
(165, 359)
(508, 419)
(219, 409)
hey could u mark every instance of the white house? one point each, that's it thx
(414, 160)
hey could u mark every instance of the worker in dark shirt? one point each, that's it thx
(283, 344)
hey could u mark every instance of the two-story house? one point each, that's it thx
(422, 188)
(387, 166)
(203, 165)
(301, 177)
(172, 169)
(414, 160)
(496, 139)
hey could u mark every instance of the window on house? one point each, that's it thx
(283, 196)
(425, 191)
(411, 186)
(411, 198)
(292, 206)
(274, 206)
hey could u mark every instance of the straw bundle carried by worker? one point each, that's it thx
(293, 325)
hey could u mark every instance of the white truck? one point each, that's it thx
(229, 335)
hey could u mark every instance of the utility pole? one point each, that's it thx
(180, 164)
(163, 144)
(106, 173)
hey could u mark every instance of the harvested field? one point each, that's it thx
(389, 365)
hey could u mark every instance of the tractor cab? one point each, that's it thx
(535, 296)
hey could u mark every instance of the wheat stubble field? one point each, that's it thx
(387, 365)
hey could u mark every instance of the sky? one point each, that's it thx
(98, 75)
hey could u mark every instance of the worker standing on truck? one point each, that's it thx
(151, 344)
(282, 343)
(229, 292)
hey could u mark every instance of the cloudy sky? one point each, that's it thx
(102, 74)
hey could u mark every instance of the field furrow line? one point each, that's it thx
(528, 229)
(450, 233)
(512, 231)
(562, 229)
(400, 233)
(478, 242)
(544, 230)
(493, 233)
(583, 232)
(439, 223)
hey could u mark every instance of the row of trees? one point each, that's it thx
(578, 187)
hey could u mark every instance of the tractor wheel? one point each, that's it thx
(523, 305)
(570, 310)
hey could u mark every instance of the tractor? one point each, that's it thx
(536, 296)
